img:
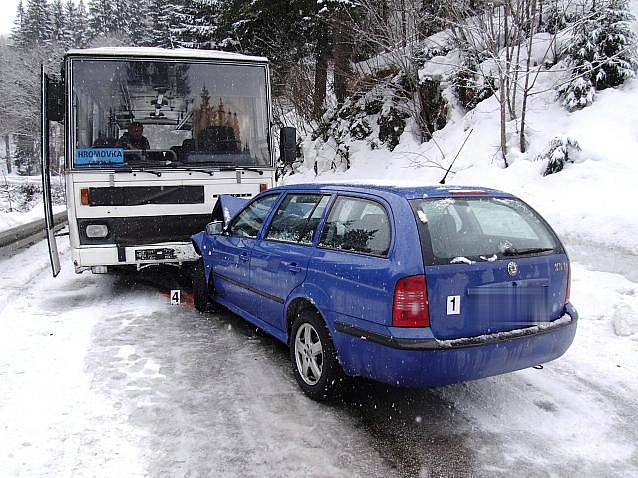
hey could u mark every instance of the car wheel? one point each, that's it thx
(314, 359)
(200, 286)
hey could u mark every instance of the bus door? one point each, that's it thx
(51, 109)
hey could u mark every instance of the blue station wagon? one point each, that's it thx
(416, 287)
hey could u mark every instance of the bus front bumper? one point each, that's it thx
(99, 258)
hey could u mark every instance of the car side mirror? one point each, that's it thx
(215, 227)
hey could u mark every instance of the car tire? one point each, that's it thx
(314, 358)
(200, 286)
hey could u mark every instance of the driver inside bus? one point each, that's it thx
(134, 138)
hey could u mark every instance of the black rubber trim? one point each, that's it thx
(140, 230)
(139, 195)
(121, 253)
(434, 344)
(249, 288)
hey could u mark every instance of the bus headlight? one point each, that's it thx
(97, 230)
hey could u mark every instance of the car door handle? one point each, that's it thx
(292, 266)
(243, 256)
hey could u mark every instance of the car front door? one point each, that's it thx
(279, 261)
(231, 261)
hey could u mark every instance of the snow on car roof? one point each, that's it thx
(165, 52)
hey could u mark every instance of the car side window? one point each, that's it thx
(297, 218)
(358, 225)
(249, 221)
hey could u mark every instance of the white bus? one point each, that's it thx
(152, 138)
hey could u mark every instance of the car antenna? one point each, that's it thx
(442, 181)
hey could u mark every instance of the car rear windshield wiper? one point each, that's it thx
(522, 252)
(138, 170)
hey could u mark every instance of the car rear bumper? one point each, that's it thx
(430, 362)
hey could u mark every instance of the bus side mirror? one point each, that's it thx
(288, 144)
(55, 100)
(215, 227)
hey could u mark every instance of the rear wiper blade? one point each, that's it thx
(138, 170)
(523, 252)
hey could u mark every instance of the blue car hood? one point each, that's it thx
(226, 207)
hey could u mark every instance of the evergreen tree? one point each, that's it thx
(616, 48)
(198, 23)
(18, 33)
(58, 22)
(162, 23)
(70, 24)
(602, 54)
(102, 18)
(80, 28)
(138, 28)
(37, 25)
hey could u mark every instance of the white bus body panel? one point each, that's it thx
(87, 256)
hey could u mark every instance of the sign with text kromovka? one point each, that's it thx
(99, 156)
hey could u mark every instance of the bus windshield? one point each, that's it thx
(129, 113)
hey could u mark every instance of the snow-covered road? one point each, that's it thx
(99, 375)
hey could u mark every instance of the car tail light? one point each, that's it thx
(84, 196)
(410, 305)
(263, 187)
(569, 283)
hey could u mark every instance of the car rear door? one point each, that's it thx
(492, 265)
(351, 263)
(231, 261)
(279, 261)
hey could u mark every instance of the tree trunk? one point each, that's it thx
(532, 13)
(8, 149)
(503, 113)
(342, 55)
(404, 25)
(321, 79)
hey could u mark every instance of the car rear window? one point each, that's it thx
(357, 225)
(487, 228)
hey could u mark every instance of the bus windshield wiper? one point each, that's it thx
(254, 170)
(522, 252)
(179, 164)
(138, 170)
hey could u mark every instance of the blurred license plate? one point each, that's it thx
(154, 254)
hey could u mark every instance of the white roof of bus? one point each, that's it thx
(165, 52)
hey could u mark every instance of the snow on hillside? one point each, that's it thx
(592, 200)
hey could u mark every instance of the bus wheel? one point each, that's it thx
(200, 286)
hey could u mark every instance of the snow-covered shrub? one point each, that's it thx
(23, 197)
(556, 18)
(391, 126)
(578, 93)
(470, 87)
(617, 45)
(602, 53)
(360, 129)
(434, 108)
(559, 151)
(426, 53)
